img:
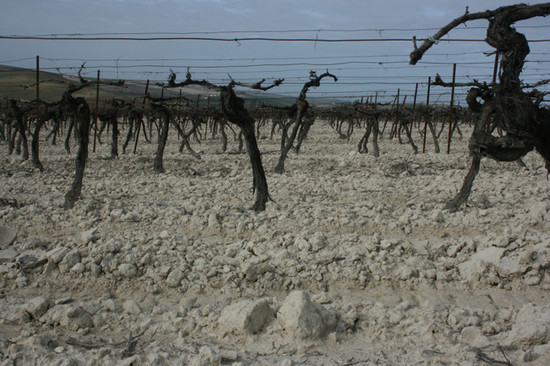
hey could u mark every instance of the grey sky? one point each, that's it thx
(363, 68)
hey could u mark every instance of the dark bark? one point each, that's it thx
(20, 131)
(297, 113)
(114, 137)
(185, 140)
(81, 112)
(35, 144)
(164, 118)
(128, 135)
(507, 108)
(68, 137)
(303, 132)
(55, 130)
(237, 114)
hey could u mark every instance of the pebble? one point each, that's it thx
(128, 270)
(246, 316)
(304, 319)
(131, 307)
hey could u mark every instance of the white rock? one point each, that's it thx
(213, 222)
(8, 255)
(253, 271)
(128, 270)
(68, 316)
(131, 307)
(174, 277)
(111, 305)
(38, 306)
(437, 216)
(305, 319)
(405, 273)
(117, 212)
(510, 267)
(538, 211)
(490, 255)
(206, 357)
(474, 337)
(318, 241)
(88, 236)
(7, 236)
(532, 326)
(131, 217)
(78, 268)
(164, 234)
(246, 316)
(303, 244)
(286, 362)
(57, 254)
(527, 334)
(69, 261)
(471, 270)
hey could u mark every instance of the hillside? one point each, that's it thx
(20, 83)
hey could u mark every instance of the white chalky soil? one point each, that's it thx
(356, 263)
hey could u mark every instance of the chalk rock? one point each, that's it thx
(68, 316)
(88, 236)
(206, 357)
(117, 212)
(246, 316)
(174, 277)
(8, 255)
(473, 336)
(305, 319)
(69, 261)
(56, 255)
(253, 271)
(527, 334)
(537, 355)
(437, 216)
(532, 327)
(131, 307)
(318, 241)
(490, 255)
(538, 211)
(7, 236)
(213, 222)
(472, 269)
(511, 266)
(38, 306)
(128, 270)
(303, 244)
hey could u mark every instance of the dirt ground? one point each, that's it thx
(355, 263)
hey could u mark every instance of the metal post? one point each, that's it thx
(140, 122)
(451, 111)
(414, 107)
(96, 109)
(393, 132)
(427, 115)
(495, 71)
(37, 95)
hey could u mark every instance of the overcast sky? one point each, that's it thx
(362, 67)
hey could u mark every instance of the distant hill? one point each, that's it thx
(19, 83)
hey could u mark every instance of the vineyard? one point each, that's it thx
(188, 221)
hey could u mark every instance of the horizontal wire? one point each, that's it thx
(236, 40)
(319, 30)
